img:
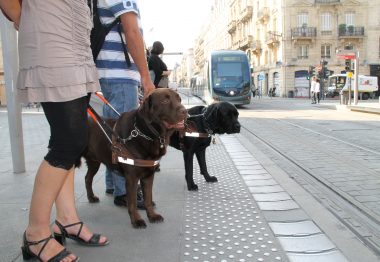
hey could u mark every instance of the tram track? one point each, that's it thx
(366, 225)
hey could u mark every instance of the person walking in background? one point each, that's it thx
(56, 68)
(312, 89)
(119, 78)
(317, 89)
(156, 64)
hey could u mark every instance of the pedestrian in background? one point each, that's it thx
(120, 80)
(161, 72)
(312, 89)
(56, 68)
(317, 89)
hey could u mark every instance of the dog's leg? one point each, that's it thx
(147, 186)
(131, 186)
(188, 157)
(93, 168)
(201, 156)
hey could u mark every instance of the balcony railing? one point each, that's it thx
(327, 1)
(263, 14)
(351, 31)
(304, 32)
(231, 27)
(256, 46)
(246, 41)
(272, 38)
(246, 13)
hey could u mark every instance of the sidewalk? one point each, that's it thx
(253, 213)
(366, 106)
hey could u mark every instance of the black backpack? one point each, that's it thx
(100, 31)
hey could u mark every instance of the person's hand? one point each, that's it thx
(147, 85)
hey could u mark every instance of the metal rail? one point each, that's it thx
(358, 212)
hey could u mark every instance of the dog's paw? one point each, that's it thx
(93, 199)
(211, 179)
(192, 187)
(156, 218)
(139, 224)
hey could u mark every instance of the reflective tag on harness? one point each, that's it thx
(195, 134)
(127, 161)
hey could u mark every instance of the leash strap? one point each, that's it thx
(107, 103)
(101, 123)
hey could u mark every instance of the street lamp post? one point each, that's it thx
(10, 59)
(356, 87)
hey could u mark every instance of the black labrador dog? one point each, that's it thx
(218, 118)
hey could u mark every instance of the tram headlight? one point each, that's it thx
(232, 93)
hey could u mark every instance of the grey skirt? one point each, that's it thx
(55, 58)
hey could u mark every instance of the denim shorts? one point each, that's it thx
(123, 96)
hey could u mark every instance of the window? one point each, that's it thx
(303, 52)
(302, 19)
(326, 22)
(379, 47)
(326, 51)
(348, 47)
(350, 18)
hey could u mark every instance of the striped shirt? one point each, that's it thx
(111, 62)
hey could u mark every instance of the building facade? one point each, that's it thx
(282, 38)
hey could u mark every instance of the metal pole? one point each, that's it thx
(356, 87)
(10, 58)
(349, 90)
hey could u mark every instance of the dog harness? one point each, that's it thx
(120, 153)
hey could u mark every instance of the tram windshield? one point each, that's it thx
(229, 72)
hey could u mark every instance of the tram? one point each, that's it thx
(225, 77)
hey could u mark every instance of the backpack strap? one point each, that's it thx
(107, 29)
(126, 55)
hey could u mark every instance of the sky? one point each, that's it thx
(176, 23)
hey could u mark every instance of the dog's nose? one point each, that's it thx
(183, 112)
(237, 126)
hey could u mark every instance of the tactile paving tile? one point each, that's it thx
(222, 221)
(299, 236)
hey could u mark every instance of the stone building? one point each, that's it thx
(282, 38)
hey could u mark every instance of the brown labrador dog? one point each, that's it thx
(145, 134)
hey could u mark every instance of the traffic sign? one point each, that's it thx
(346, 54)
(350, 74)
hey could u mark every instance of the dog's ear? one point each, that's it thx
(146, 108)
(212, 111)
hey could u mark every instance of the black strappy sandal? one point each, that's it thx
(27, 254)
(61, 238)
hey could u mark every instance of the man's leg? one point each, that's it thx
(109, 182)
(123, 97)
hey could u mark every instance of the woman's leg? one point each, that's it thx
(47, 185)
(66, 211)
